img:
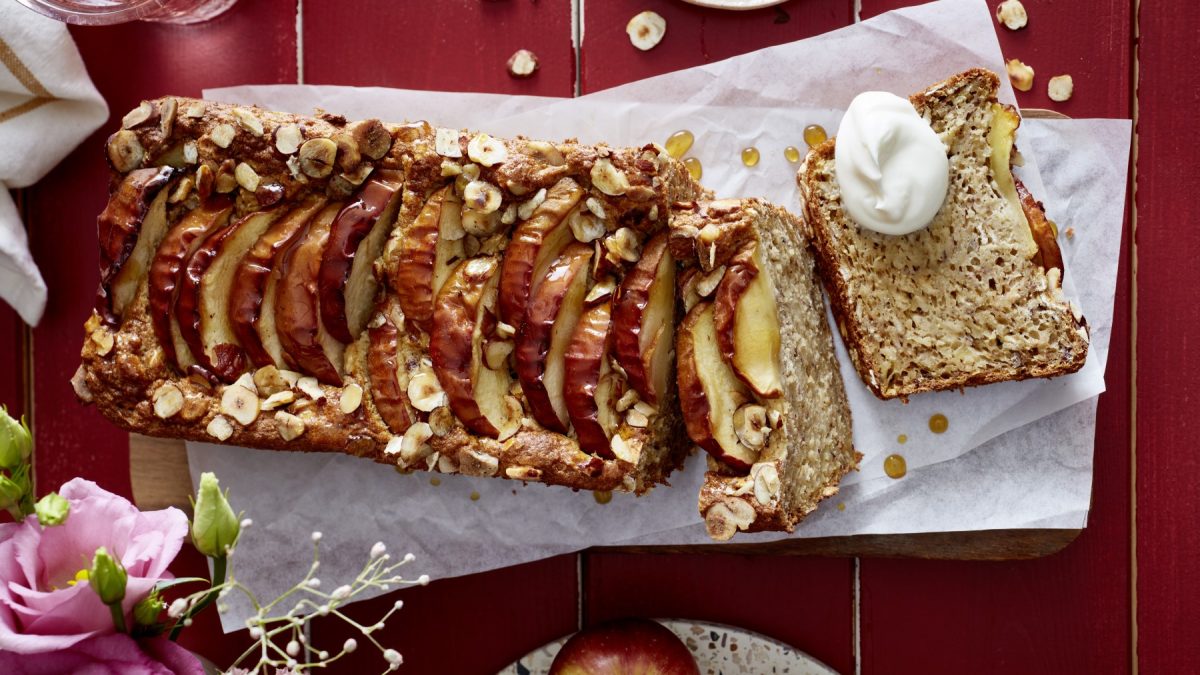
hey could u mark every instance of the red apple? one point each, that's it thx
(747, 323)
(625, 647)
(644, 321)
(297, 317)
(587, 382)
(384, 372)
(129, 229)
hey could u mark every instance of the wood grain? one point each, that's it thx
(1168, 322)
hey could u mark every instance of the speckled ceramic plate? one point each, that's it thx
(736, 4)
(719, 650)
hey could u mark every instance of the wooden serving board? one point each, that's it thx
(158, 472)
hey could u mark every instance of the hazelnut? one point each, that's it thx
(626, 450)
(476, 463)
(523, 473)
(288, 139)
(624, 244)
(1012, 14)
(708, 283)
(480, 224)
(646, 30)
(268, 380)
(191, 154)
(168, 400)
(544, 152)
(425, 391)
(486, 150)
(1019, 74)
(310, 387)
(219, 428)
(1060, 88)
(596, 207)
(348, 153)
(138, 115)
(608, 178)
(125, 151)
(585, 227)
(104, 341)
(248, 120)
(194, 110)
(222, 135)
(481, 196)
(526, 209)
(351, 398)
(290, 427)
(600, 290)
(316, 157)
(522, 63)
(166, 117)
(766, 481)
(446, 143)
(246, 176)
(240, 403)
(750, 425)
(278, 399)
(373, 139)
(414, 445)
(726, 517)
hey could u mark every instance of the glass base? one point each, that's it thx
(108, 12)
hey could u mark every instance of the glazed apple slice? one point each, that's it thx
(535, 244)
(297, 313)
(587, 383)
(747, 323)
(462, 320)
(130, 229)
(644, 321)
(550, 320)
(249, 291)
(429, 251)
(709, 391)
(346, 282)
(163, 281)
(387, 377)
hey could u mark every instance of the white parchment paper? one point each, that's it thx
(1016, 454)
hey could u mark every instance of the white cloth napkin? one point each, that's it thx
(48, 105)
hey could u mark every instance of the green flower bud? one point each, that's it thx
(215, 527)
(52, 510)
(107, 577)
(11, 493)
(16, 443)
(148, 609)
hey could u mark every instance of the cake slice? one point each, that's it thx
(975, 297)
(759, 384)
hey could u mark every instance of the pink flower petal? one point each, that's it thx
(115, 654)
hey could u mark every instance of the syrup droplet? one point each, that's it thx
(602, 496)
(435, 481)
(814, 134)
(938, 424)
(895, 466)
(694, 168)
(902, 439)
(679, 143)
(792, 154)
(842, 506)
(750, 156)
(474, 496)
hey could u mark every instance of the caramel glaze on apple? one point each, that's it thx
(349, 228)
(633, 350)
(534, 338)
(391, 400)
(250, 279)
(117, 229)
(585, 359)
(1048, 256)
(452, 342)
(297, 316)
(413, 279)
(164, 276)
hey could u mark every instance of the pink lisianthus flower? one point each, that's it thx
(45, 604)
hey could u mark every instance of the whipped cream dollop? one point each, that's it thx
(891, 166)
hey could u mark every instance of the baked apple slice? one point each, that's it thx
(176, 248)
(248, 293)
(388, 379)
(550, 321)
(462, 321)
(644, 321)
(535, 244)
(346, 282)
(429, 250)
(747, 323)
(588, 381)
(130, 229)
(297, 313)
(709, 391)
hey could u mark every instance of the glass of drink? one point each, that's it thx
(104, 12)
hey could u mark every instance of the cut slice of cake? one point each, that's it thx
(973, 298)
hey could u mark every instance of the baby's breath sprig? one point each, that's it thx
(271, 626)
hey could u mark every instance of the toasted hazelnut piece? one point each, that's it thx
(425, 391)
(441, 421)
(446, 464)
(104, 340)
(278, 399)
(222, 135)
(247, 380)
(290, 427)
(191, 154)
(168, 400)
(585, 227)
(750, 425)
(646, 29)
(290, 376)
(624, 244)
(204, 181)
(125, 151)
(310, 387)
(522, 63)
(482, 196)
(708, 283)
(1060, 88)
(596, 207)
(288, 139)
(226, 178)
(349, 154)
(79, 385)
(774, 418)
(1019, 74)
(496, 353)
(446, 143)
(393, 445)
(248, 120)
(239, 403)
(451, 168)
(316, 157)
(476, 463)
(726, 517)
(352, 395)
(635, 418)
(545, 152)
(510, 215)
(268, 380)
(626, 450)
(766, 481)
(645, 408)
(479, 223)
(609, 179)
(414, 444)
(138, 115)
(219, 428)
(194, 110)
(166, 117)
(182, 189)
(374, 140)
(526, 209)
(486, 150)
(627, 400)
(1012, 14)
(246, 176)
(602, 289)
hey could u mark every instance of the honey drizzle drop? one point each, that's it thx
(792, 154)
(435, 481)
(694, 167)
(679, 143)
(902, 439)
(750, 156)
(938, 424)
(895, 466)
(474, 496)
(814, 134)
(602, 496)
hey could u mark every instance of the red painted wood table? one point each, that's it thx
(1123, 596)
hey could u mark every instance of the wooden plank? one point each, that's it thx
(12, 361)
(695, 35)
(1168, 320)
(450, 45)
(805, 602)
